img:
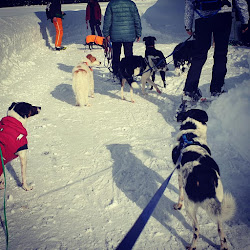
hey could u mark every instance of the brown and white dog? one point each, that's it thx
(83, 80)
(199, 176)
(13, 141)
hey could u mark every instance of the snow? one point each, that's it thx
(95, 169)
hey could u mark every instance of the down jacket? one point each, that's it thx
(56, 10)
(13, 138)
(191, 15)
(122, 21)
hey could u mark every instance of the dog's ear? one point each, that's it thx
(23, 109)
(154, 38)
(198, 115)
(89, 56)
(144, 39)
(12, 106)
(182, 116)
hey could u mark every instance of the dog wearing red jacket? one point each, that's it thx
(13, 137)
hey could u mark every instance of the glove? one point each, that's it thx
(244, 28)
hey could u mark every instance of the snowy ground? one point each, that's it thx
(95, 169)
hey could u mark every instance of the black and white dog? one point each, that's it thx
(134, 66)
(199, 175)
(158, 58)
(13, 141)
(182, 56)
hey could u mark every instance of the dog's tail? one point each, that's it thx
(221, 211)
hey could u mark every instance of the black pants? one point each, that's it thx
(128, 51)
(94, 26)
(218, 26)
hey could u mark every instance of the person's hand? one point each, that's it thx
(189, 32)
(108, 38)
(244, 28)
(138, 39)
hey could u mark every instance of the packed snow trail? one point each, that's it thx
(95, 169)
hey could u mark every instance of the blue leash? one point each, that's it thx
(133, 234)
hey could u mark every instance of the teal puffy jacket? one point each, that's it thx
(122, 21)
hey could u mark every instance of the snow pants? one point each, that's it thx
(218, 26)
(59, 31)
(128, 51)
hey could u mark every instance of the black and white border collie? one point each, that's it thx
(199, 176)
(134, 66)
(182, 56)
(158, 58)
(13, 141)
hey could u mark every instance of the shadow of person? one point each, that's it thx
(140, 183)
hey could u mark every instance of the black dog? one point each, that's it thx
(135, 66)
(159, 60)
(182, 56)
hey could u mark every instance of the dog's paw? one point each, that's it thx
(92, 96)
(133, 101)
(158, 91)
(178, 206)
(26, 187)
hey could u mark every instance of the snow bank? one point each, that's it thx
(160, 17)
(22, 32)
(230, 118)
(18, 34)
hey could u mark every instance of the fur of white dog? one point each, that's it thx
(199, 179)
(83, 80)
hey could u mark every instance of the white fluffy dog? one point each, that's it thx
(83, 80)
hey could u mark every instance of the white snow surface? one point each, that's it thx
(94, 169)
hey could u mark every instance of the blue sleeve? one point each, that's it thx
(107, 21)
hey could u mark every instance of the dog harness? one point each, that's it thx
(12, 138)
(88, 66)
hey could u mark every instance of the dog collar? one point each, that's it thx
(88, 66)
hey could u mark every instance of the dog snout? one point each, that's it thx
(38, 109)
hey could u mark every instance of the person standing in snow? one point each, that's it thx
(94, 16)
(208, 23)
(122, 26)
(57, 16)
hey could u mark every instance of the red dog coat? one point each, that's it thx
(12, 139)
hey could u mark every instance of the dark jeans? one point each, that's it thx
(128, 51)
(94, 26)
(218, 26)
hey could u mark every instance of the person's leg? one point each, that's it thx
(92, 27)
(116, 46)
(203, 35)
(221, 31)
(98, 30)
(59, 31)
(128, 48)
